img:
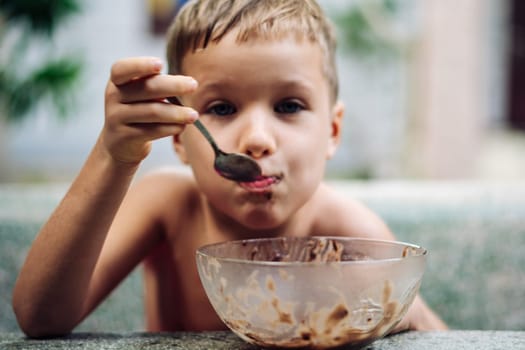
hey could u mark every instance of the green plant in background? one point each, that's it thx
(25, 25)
(362, 28)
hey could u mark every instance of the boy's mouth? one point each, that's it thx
(262, 183)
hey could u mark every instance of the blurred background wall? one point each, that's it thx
(432, 89)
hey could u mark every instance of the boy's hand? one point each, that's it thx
(136, 110)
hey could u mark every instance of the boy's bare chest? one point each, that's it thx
(175, 298)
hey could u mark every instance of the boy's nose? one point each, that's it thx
(257, 139)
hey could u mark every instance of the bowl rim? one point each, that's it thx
(422, 252)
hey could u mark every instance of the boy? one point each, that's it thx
(261, 75)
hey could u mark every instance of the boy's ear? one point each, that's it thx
(180, 149)
(336, 123)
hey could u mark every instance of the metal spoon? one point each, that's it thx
(232, 166)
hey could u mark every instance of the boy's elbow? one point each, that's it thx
(35, 328)
(37, 324)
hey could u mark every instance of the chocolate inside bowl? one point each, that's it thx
(314, 292)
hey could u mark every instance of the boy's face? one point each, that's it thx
(270, 100)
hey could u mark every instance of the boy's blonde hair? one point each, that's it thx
(201, 22)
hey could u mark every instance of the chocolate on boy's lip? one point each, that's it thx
(271, 179)
(262, 183)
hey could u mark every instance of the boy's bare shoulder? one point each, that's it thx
(165, 180)
(342, 214)
(164, 191)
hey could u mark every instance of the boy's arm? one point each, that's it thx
(420, 318)
(55, 287)
(52, 285)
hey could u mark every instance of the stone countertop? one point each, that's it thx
(449, 340)
(475, 275)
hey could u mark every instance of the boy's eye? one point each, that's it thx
(288, 107)
(222, 109)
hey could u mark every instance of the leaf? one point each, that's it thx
(358, 37)
(21, 92)
(54, 80)
(40, 16)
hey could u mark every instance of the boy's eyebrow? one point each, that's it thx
(298, 83)
(281, 84)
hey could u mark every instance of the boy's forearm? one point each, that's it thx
(424, 318)
(48, 298)
(420, 318)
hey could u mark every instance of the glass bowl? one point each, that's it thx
(313, 292)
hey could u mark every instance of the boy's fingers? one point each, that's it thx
(157, 112)
(156, 88)
(155, 131)
(128, 69)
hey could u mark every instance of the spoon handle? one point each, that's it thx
(207, 135)
(174, 100)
